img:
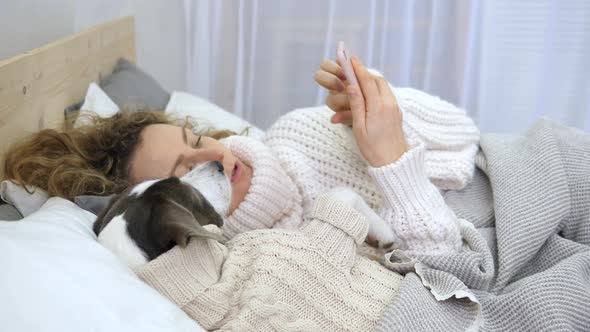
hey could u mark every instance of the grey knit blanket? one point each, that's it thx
(525, 264)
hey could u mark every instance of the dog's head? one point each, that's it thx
(149, 219)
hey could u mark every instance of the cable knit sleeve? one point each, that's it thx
(336, 229)
(186, 276)
(414, 207)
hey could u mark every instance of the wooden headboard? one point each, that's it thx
(36, 86)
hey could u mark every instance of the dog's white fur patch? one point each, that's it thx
(115, 238)
(140, 188)
(213, 185)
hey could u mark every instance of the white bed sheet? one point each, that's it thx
(56, 277)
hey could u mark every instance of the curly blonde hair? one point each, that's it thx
(93, 159)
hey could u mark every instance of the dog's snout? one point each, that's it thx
(213, 184)
(219, 166)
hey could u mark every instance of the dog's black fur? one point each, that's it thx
(166, 214)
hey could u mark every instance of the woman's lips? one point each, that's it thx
(237, 171)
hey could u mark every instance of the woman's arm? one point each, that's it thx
(427, 119)
(413, 206)
(449, 135)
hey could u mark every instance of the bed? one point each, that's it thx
(55, 275)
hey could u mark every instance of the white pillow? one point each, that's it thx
(56, 277)
(96, 101)
(209, 115)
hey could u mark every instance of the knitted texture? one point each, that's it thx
(319, 156)
(534, 273)
(448, 134)
(272, 199)
(414, 207)
(288, 280)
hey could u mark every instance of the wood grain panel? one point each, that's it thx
(36, 86)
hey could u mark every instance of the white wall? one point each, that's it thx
(159, 33)
(28, 24)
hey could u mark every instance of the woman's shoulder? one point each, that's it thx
(303, 117)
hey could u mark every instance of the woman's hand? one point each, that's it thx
(376, 118)
(332, 78)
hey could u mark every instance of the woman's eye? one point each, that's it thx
(197, 143)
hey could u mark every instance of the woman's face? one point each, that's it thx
(168, 150)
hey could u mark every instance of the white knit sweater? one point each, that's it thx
(311, 279)
(279, 280)
(318, 156)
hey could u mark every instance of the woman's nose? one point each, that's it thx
(203, 156)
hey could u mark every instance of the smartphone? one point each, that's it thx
(344, 61)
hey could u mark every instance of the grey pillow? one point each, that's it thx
(9, 212)
(94, 204)
(130, 87)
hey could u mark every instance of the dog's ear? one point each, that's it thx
(180, 224)
(116, 205)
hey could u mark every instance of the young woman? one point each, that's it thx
(391, 163)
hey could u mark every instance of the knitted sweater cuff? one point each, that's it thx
(414, 207)
(341, 217)
(181, 274)
(404, 179)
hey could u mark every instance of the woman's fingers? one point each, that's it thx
(387, 96)
(343, 117)
(328, 80)
(337, 101)
(357, 107)
(334, 68)
(368, 86)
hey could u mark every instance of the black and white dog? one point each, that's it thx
(150, 218)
